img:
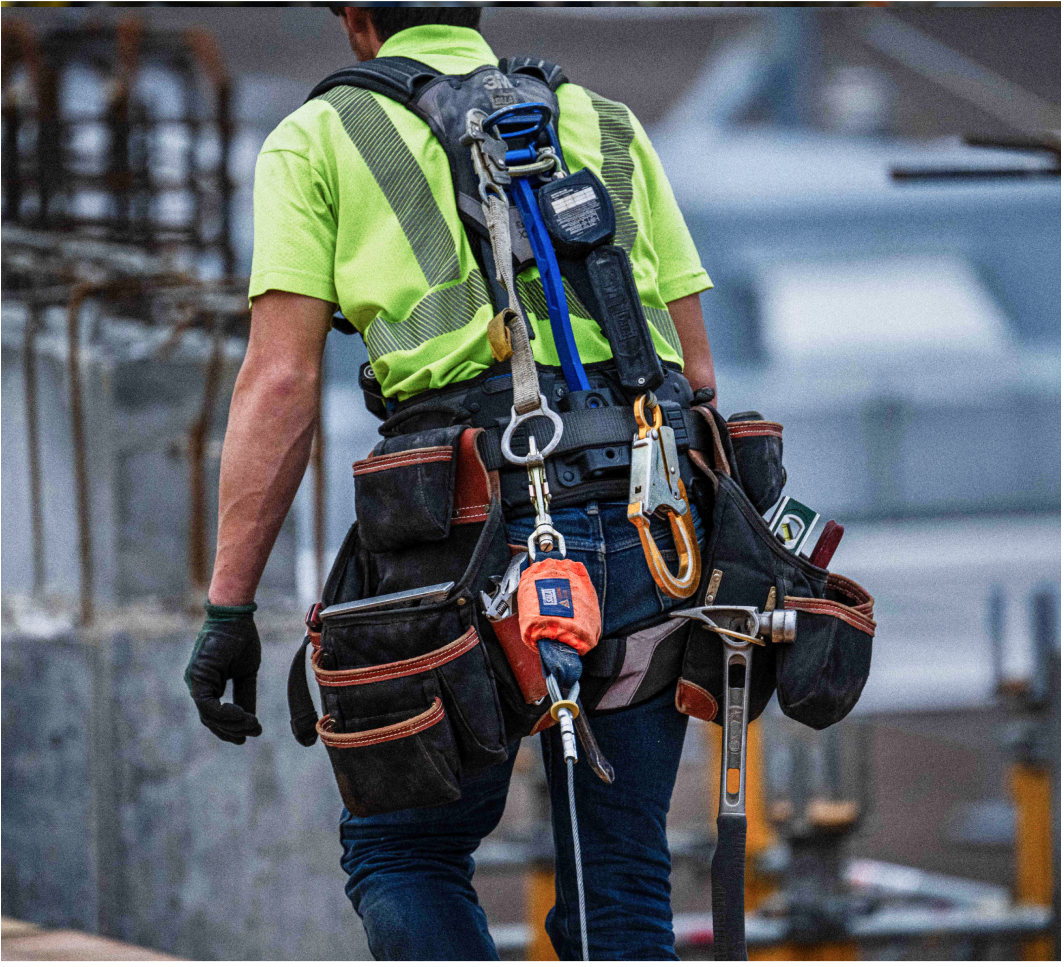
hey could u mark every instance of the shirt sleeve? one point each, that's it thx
(295, 227)
(680, 271)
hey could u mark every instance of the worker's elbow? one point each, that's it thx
(281, 383)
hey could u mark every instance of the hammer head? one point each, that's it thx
(778, 626)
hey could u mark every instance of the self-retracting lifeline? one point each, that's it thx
(553, 596)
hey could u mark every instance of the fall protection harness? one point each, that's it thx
(565, 228)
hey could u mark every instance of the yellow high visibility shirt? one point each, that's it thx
(354, 205)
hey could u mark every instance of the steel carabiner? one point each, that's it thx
(657, 490)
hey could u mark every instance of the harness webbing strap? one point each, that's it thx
(551, 281)
(394, 77)
(585, 429)
(522, 363)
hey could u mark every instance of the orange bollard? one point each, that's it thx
(1032, 792)
(539, 898)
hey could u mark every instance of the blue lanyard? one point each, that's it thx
(553, 288)
(521, 122)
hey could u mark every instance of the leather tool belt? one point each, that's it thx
(592, 460)
(416, 697)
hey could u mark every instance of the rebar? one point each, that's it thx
(77, 433)
(29, 384)
(55, 254)
(52, 173)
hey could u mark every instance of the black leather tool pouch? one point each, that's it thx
(411, 694)
(758, 448)
(405, 720)
(404, 491)
(820, 675)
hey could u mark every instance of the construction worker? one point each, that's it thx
(355, 208)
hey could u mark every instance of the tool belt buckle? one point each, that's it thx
(657, 490)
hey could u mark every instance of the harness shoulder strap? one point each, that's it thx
(396, 77)
(443, 102)
(543, 70)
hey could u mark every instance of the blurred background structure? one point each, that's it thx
(875, 192)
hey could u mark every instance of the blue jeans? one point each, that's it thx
(410, 872)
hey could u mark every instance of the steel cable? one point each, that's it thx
(579, 862)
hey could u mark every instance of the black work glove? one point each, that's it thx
(227, 647)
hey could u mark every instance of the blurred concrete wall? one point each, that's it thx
(139, 408)
(124, 816)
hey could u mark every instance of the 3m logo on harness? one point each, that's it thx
(555, 597)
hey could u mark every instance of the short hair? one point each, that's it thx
(389, 20)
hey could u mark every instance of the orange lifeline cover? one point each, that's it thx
(557, 600)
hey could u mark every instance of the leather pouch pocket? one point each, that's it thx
(398, 760)
(758, 448)
(354, 683)
(820, 677)
(379, 668)
(404, 491)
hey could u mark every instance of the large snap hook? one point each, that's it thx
(657, 490)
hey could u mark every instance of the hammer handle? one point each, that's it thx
(728, 876)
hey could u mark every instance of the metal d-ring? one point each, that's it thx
(515, 421)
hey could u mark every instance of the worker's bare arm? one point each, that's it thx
(268, 439)
(697, 358)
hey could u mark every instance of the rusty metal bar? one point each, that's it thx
(12, 169)
(206, 51)
(49, 141)
(225, 183)
(198, 435)
(198, 438)
(29, 382)
(119, 174)
(77, 432)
